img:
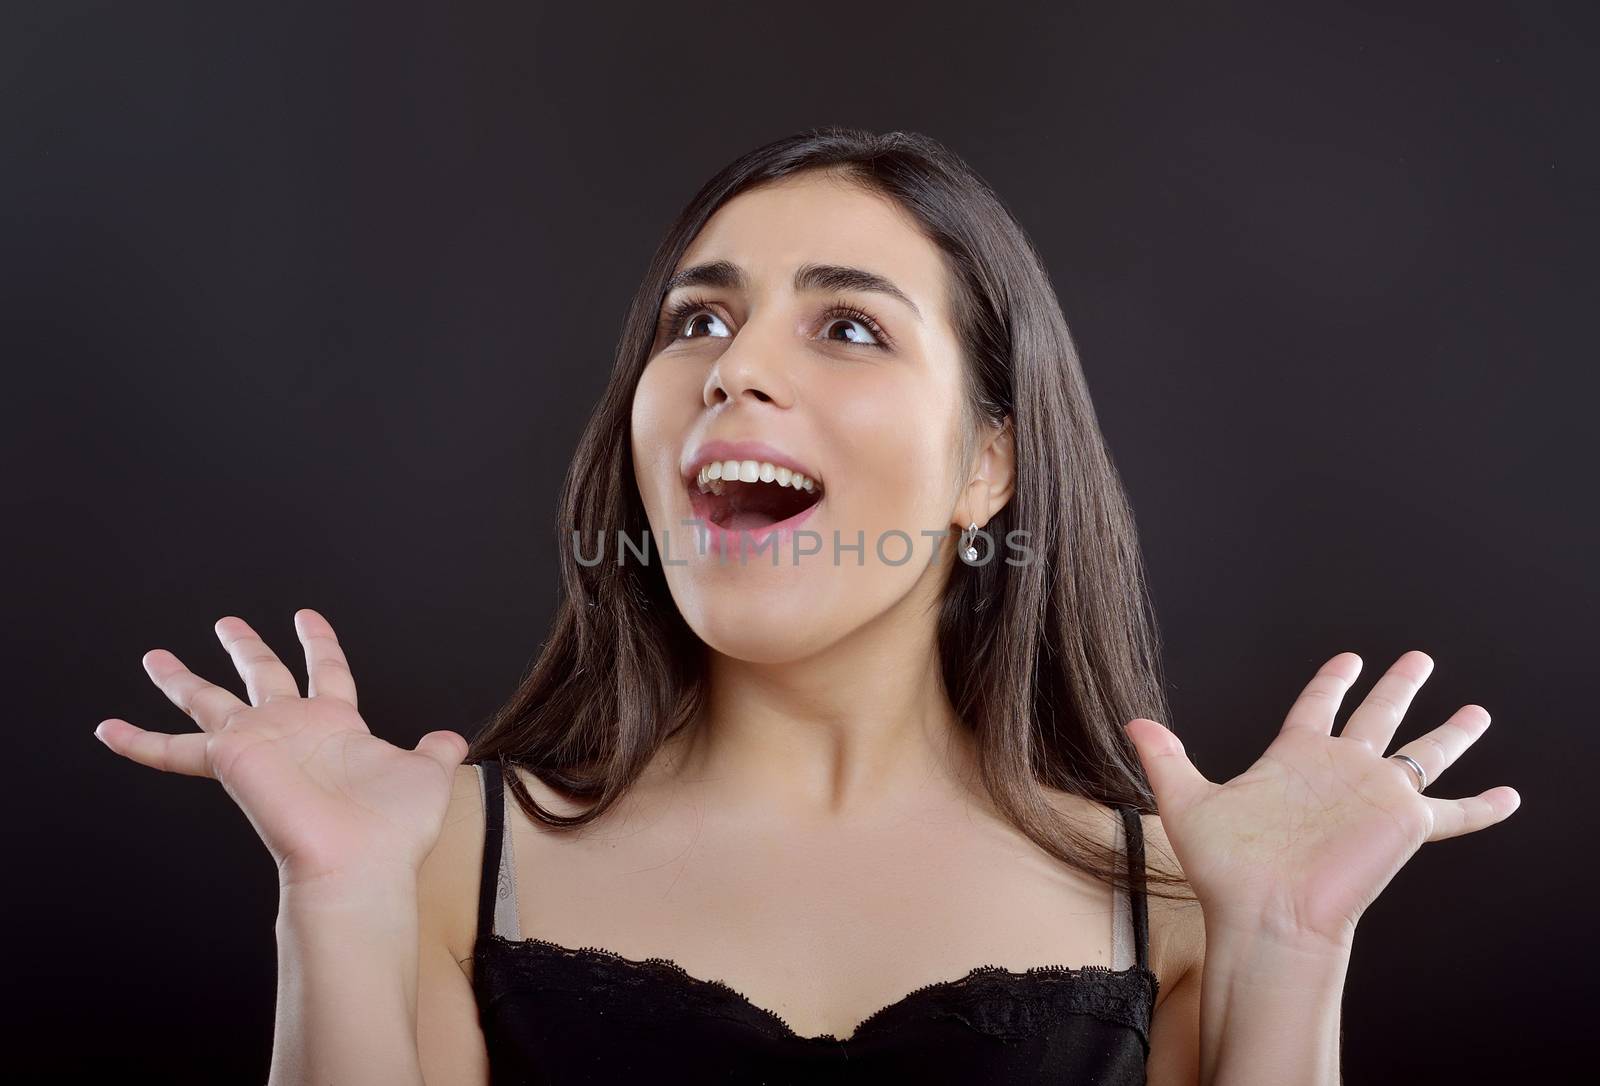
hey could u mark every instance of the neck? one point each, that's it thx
(864, 726)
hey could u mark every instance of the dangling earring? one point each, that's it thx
(969, 537)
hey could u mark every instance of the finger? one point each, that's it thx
(1376, 718)
(263, 673)
(1454, 817)
(184, 754)
(1317, 704)
(445, 747)
(208, 704)
(1437, 750)
(1173, 778)
(327, 670)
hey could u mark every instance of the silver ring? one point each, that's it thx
(1416, 767)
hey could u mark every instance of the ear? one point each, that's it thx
(994, 475)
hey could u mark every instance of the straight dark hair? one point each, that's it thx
(1043, 661)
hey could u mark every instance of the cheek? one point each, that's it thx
(663, 409)
(898, 447)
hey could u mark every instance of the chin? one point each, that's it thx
(761, 627)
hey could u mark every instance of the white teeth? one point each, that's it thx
(712, 477)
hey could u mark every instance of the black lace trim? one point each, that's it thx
(990, 999)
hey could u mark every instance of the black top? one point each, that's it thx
(558, 1014)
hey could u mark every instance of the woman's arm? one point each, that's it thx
(1269, 1009)
(1284, 859)
(1177, 953)
(371, 989)
(1246, 1008)
(450, 1037)
(347, 983)
(349, 820)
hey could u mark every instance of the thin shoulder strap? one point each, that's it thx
(493, 838)
(497, 885)
(1133, 835)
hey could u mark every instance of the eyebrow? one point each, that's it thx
(728, 275)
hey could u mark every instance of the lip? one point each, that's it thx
(714, 540)
(742, 450)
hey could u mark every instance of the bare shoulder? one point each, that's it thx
(450, 877)
(450, 1046)
(447, 882)
(1177, 926)
(1096, 820)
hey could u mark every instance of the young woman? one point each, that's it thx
(797, 790)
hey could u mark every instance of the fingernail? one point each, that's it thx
(97, 728)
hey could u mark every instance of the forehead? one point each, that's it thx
(812, 218)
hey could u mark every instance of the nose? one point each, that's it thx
(748, 370)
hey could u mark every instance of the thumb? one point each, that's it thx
(445, 747)
(1173, 778)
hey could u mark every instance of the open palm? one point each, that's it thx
(1307, 837)
(327, 797)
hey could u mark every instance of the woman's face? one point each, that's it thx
(858, 388)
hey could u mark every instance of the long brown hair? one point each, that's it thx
(1044, 660)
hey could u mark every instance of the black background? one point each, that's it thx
(305, 305)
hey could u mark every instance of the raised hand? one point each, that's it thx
(1304, 840)
(328, 798)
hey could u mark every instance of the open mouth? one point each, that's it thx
(735, 505)
(753, 496)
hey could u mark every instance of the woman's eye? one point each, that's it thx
(695, 320)
(862, 329)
